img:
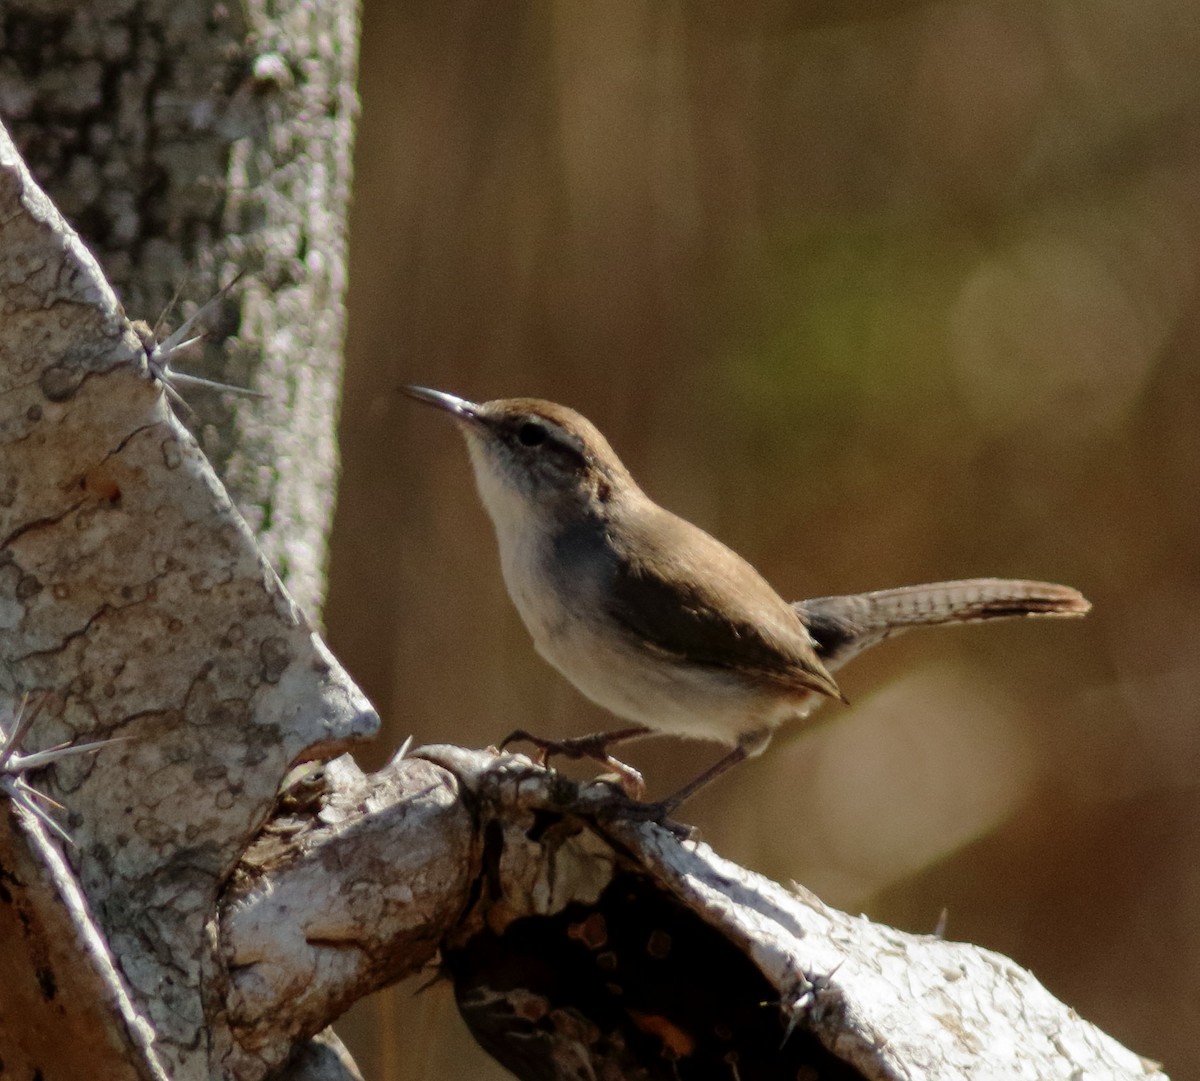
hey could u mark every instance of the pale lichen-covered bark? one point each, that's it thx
(133, 595)
(64, 1008)
(302, 943)
(602, 948)
(188, 141)
(612, 944)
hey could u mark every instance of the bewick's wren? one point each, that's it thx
(657, 621)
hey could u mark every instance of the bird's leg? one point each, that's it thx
(629, 808)
(668, 806)
(749, 744)
(594, 747)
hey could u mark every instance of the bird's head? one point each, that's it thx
(534, 460)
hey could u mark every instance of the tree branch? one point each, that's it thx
(613, 944)
(58, 982)
(351, 888)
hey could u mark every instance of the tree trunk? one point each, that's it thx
(188, 142)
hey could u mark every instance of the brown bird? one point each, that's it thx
(660, 623)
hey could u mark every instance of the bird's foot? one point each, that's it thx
(619, 805)
(593, 747)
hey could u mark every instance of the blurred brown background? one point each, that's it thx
(877, 292)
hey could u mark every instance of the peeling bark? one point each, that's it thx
(352, 887)
(609, 949)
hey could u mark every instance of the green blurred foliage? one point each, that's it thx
(845, 324)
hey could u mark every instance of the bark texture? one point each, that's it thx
(353, 886)
(133, 595)
(65, 1010)
(187, 141)
(602, 948)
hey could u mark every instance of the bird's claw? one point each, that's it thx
(591, 747)
(623, 793)
(579, 747)
(618, 805)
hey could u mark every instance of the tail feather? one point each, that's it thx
(842, 627)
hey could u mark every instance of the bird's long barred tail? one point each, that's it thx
(965, 602)
(844, 626)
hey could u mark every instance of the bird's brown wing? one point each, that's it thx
(680, 591)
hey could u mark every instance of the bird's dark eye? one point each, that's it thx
(531, 434)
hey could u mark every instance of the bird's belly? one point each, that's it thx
(632, 682)
(663, 694)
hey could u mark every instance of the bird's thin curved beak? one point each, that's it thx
(459, 408)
